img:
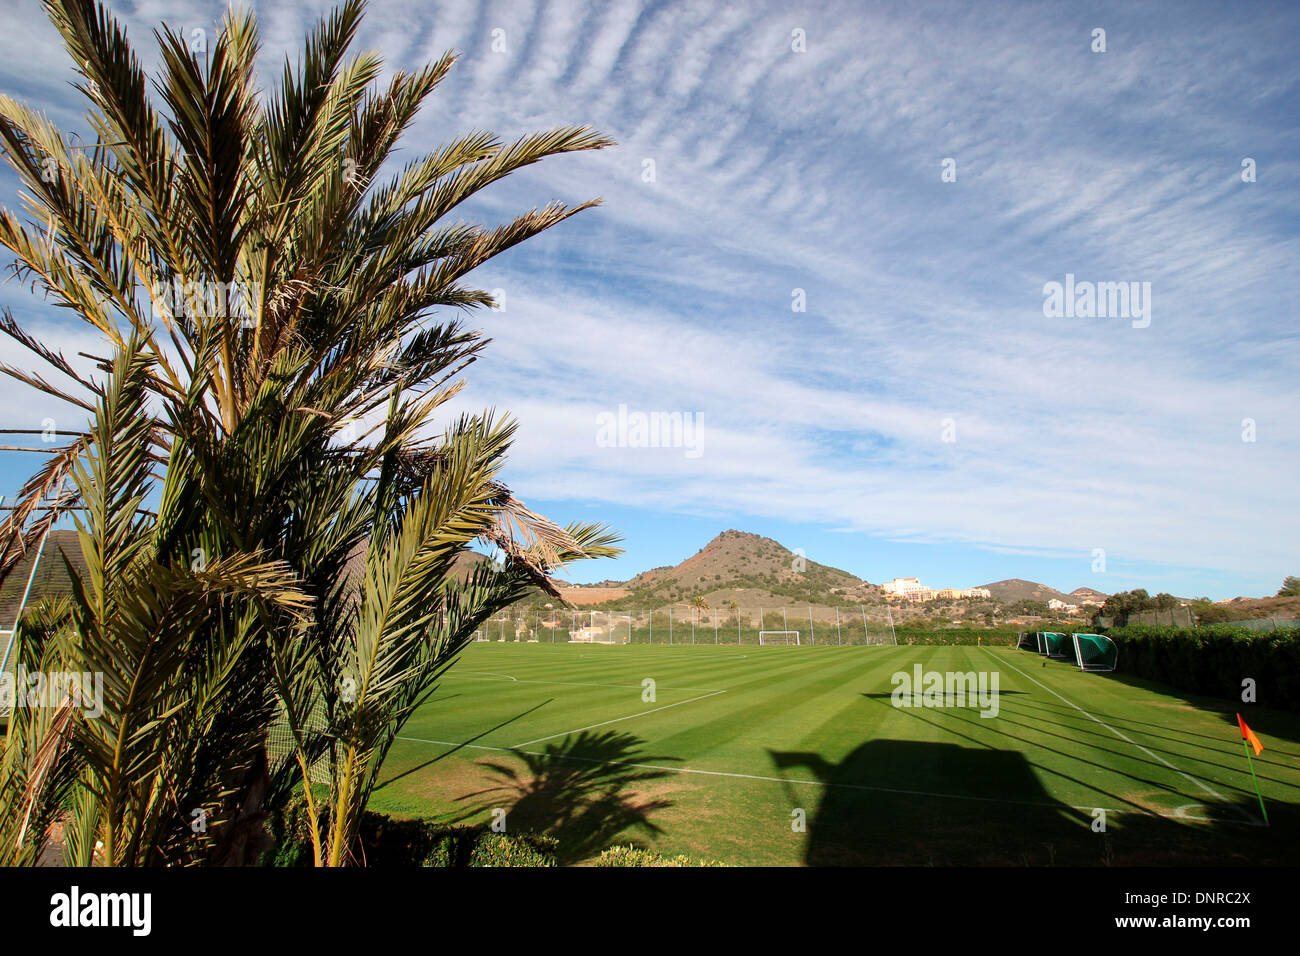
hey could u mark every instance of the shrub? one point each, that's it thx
(388, 842)
(512, 849)
(636, 856)
(954, 635)
(1214, 660)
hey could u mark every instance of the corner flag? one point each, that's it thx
(1248, 740)
(1248, 734)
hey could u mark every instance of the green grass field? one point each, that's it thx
(739, 743)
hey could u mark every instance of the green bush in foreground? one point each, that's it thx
(386, 842)
(635, 856)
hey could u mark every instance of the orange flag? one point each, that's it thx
(1248, 734)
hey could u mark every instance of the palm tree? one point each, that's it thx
(270, 506)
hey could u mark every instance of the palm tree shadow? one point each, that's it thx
(584, 791)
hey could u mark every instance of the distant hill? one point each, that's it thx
(735, 565)
(1018, 589)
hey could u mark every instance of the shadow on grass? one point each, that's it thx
(1282, 724)
(899, 802)
(585, 791)
(461, 746)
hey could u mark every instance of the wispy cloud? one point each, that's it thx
(777, 171)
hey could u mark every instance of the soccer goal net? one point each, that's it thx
(1094, 652)
(1060, 646)
(778, 637)
(1027, 641)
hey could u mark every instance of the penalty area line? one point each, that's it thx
(1122, 736)
(504, 678)
(616, 720)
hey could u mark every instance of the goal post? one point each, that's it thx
(1095, 653)
(778, 637)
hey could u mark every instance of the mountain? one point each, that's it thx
(734, 566)
(1018, 589)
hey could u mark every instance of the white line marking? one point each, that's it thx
(487, 675)
(1150, 753)
(616, 720)
(566, 683)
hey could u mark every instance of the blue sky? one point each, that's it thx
(820, 171)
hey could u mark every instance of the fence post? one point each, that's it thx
(839, 638)
(811, 625)
(866, 636)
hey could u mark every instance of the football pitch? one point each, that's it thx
(799, 755)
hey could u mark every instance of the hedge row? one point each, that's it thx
(954, 635)
(1214, 660)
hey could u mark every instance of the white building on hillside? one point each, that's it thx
(902, 587)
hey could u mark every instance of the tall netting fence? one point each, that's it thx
(815, 625)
